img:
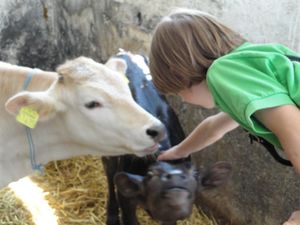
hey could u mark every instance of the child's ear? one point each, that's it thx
(129, 185)
(44, 104)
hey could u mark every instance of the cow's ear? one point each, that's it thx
(117, 64)
(216, 175)
(129, 185)
(44, 104)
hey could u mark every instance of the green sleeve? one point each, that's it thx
(242, 85)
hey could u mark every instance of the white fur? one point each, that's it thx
(68, 127)
(34, 200)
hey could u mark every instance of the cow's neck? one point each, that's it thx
(12, 80)
(51, 142)
(14, 146)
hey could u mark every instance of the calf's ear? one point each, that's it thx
(216, 175)
(117, 64)
(44, 104)
(129, 185)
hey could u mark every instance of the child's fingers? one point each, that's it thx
(162, 157)
(294, 219)
(290, 223)
(167, 155)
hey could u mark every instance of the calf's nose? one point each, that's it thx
(157, 132)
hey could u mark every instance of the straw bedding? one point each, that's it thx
(77, 191)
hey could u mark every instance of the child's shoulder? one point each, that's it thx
(266, 48)
(253, 54)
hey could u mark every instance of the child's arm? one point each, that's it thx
(206, 133)
(284, 122)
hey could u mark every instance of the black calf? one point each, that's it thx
(168, 192)
(146, 95)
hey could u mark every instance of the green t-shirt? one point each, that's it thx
(254, 77)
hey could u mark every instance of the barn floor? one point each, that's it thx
(76, 190)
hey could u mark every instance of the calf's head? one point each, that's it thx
(96, 108)
(168, 191)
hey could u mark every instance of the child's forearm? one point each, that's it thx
(284, 122)
(206, 133)
(292, 150)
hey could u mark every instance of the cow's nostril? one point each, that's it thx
(152, 133)
(157, 132)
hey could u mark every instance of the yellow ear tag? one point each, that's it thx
(28, 117)
(125, 79)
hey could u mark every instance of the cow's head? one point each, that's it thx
(96, 107)
(168, 191)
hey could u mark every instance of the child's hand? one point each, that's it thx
(294, 219)
(171, 154)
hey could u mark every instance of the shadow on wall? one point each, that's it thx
(44, 33)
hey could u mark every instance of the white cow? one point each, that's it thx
(84, 108)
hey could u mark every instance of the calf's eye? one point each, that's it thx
(150, 174)
(92, 105)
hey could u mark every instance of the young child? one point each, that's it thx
(255, 86)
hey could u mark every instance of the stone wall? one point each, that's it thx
(44, 33)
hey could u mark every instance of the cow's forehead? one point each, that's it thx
(102, 74)
(102, 91)
(164, 167)
(82, 68)
(87, 72)
(90, 81)
(112, 79)
(111, 83)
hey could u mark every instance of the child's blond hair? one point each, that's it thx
(184, 45)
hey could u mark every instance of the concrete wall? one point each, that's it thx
(44, 33)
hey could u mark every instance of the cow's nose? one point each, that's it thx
(157, 132)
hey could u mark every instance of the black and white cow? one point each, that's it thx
(146, 95)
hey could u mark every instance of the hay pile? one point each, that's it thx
(77, 190)
(12, 210)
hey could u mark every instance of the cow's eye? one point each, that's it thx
(92, 105)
